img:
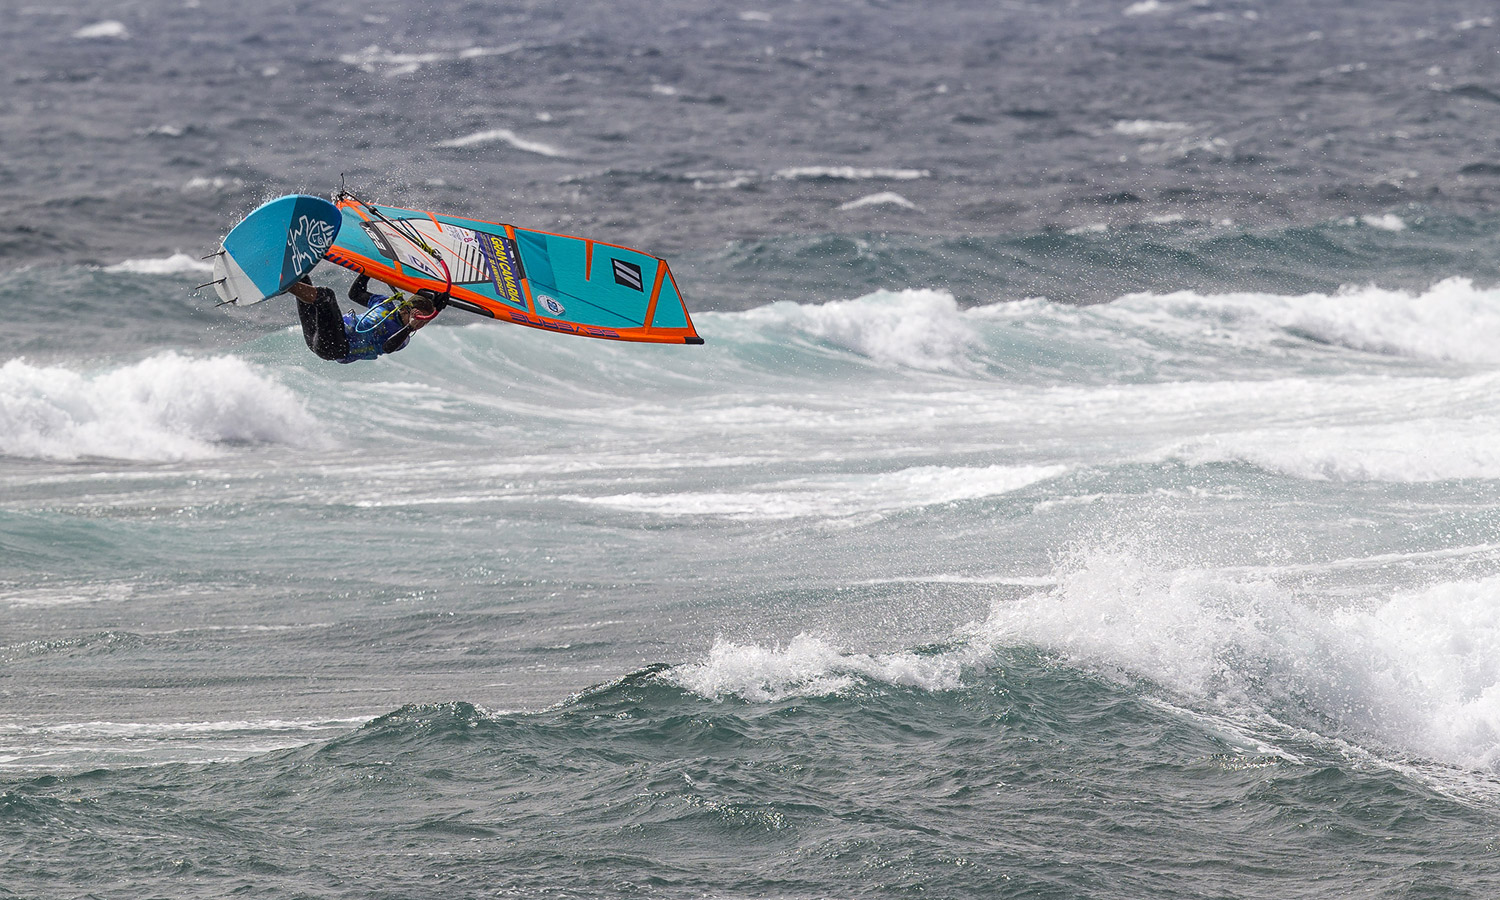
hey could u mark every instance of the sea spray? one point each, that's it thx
(1416, 671)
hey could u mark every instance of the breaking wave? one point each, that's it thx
(168, 407)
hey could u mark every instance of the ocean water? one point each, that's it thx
(1089, 486)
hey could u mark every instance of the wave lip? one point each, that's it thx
(918, 329)
(502, 135)
(374, 56)
(1417, 671)
(165, 408)
(884, 198)
(849, 173)
(1452, 322)
(1403, 453)
(838, 496)
(807, 667)
(177, 264)
(111, 29)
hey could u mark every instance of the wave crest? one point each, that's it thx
(918, 329)
(808, 667)
(1452, 321)
(165, 408)
(1418, 670)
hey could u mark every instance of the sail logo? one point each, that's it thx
(308, 242)
(628, 274)
(550, 304)
(505, 266)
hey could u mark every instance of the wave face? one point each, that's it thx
(1088, 487)
(167, 407)
(891, 593)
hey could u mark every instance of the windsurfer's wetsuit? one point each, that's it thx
(344, 337)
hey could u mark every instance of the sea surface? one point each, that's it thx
(1089, 486)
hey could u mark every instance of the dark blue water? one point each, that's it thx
(1088, 487)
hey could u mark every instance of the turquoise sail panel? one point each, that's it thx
(586, 284)
(670, 313)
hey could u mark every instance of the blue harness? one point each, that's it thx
(369, 331)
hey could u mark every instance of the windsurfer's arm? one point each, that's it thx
(359, 292)
(396, 341)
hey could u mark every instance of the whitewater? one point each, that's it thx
(1263, 521)
(1088, 487)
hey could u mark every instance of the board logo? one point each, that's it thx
(309, 240)
(550, 304)
(628, 274)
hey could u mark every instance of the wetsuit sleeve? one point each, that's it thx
(396, 341)
(359, 292)
(323, 326)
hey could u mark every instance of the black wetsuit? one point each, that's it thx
(323, 326)
(333, 335)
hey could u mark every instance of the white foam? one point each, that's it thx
(68, 596)
(502, 135)
(808, 667)
(216, 183)
(1402, 452)
(1452, 321)
(168, 407)
(1146, 8)
(851, 173)
(840, 496)
(919, 329)
(374, 57)
(169, 730)
(884, 198)
(722, 181)
(177, 264)
(1387, 222)
(1149, 127)
(67, 745)
(107, 30)
(1419, 670)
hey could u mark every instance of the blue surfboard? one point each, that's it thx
(274, 246)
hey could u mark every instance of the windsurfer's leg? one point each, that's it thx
(323, 325)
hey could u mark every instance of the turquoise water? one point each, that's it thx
(1088, 487)
(1187, 594)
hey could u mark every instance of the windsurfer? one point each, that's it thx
(385, 326)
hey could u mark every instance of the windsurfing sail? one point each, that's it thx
(535, 278)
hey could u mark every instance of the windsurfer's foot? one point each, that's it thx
(304, 291)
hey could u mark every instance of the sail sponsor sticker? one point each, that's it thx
(550, 304)
(505, 265)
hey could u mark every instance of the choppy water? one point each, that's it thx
(919, 577)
